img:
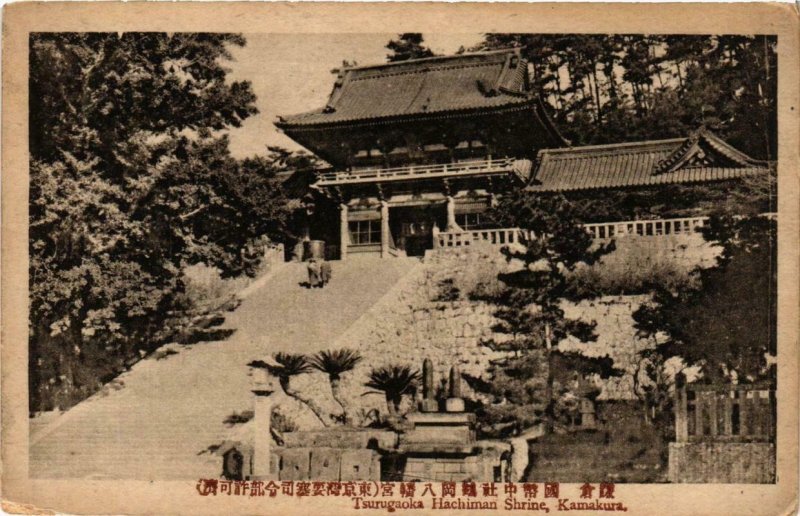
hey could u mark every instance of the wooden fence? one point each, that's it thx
(725, 413)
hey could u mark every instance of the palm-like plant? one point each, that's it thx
(285, 366)
(394, 381)
(335, 363)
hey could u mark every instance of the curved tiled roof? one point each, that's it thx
(419, 87)
(700, 158)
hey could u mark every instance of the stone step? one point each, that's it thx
(160, 421)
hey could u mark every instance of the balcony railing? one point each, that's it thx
(464, 168)
(502, 236)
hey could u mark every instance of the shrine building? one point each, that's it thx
(420, 149)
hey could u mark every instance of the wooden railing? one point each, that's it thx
(502, 236)
(422, 171)
(655, 227)
(685, 226)
(729, 413)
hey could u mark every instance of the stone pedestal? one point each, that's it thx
(441, 429)
(429, 405)
(262, 421)
(454, 405)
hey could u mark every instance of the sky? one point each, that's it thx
(291, 73)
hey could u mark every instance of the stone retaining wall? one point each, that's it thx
(325, 464)
(408, 325)
(722, 463)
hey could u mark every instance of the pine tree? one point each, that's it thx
(526, 385)
(408, 46)
(728, 325)
(615, 88)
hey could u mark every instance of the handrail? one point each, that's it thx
(500, 236)
(474, 166)
(598, 230)
(653, 227)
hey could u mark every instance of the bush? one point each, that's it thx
(205, 289)
(282, 423)
(618, 279)
(641, 264)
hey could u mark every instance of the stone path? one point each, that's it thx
(155, 421)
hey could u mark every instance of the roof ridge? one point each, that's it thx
(418, 70)
(692, 145)
(579, 149)
(434, 58)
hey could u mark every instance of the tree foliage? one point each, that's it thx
(284, 367)
(132, 180)
(525, 386)
(335, 363)
(408, 46)
(394, 382)
(728, 325)
(618, 88)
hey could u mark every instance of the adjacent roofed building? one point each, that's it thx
(702, 157)
(420, 149)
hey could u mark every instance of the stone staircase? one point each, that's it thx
(157, 421)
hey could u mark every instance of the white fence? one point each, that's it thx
(598, 231)
(659, 227)
(503, 236)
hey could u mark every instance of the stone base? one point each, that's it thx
(454, 405)
(431, 428)
(429, 406)
(727, 463)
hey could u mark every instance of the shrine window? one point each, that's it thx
(364, 232)
(471, 220)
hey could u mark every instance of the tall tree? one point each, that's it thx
(531, 317)
(408, 46)
(617, 88)
(728, 325)
(131, 180)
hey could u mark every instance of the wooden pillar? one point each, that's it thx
(699, 411)
(451, 214)
(744, 413)
(262, 441)
(681, 422)
(727, 418)
(384, 229)
(712, 413)
(307, 227)
(344, 231)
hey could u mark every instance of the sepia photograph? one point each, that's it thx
(428, 270)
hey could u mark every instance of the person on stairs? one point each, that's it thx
(314, 274)
(325, 272)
